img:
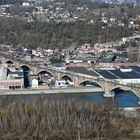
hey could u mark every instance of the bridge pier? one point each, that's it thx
(76, 81)
(109, 94)
(58, 76)
(34, 70)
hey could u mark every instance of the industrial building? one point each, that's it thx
(10, 80)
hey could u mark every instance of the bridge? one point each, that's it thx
(77, 78)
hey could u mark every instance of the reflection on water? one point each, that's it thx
(122, 98)
(126, 99)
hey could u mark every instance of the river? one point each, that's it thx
(123, 99)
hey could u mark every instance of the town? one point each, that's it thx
(102, 60)
(69, 69)
(118, 58)
(90, 12)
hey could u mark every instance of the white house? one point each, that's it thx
(34, 83)
(25, 4)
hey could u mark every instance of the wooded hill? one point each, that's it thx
(53, 35)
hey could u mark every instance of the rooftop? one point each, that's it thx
(131, 72)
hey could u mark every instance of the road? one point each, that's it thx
(51, 91)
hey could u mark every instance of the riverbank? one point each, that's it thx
(51, 91)
(64, 119)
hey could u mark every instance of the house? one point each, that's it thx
(25, 4)
(34, 83)
(11, 84)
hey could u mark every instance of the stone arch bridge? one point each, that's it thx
(106, 84)
(77, 78)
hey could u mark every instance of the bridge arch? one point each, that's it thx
(67, 77)
(9, 61)
(124, 89)
(117, 88)
(25, 67)
(26, 75)
(45, 72)
(90, 83)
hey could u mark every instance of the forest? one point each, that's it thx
(56, 35)
(62, 119)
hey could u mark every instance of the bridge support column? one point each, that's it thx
(76, 81)
(34, 70)
(58, 77)
(107, 91)
(17, 65)
(109, 94)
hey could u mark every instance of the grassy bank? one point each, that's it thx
(63, 120)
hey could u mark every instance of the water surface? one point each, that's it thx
(123, 99)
